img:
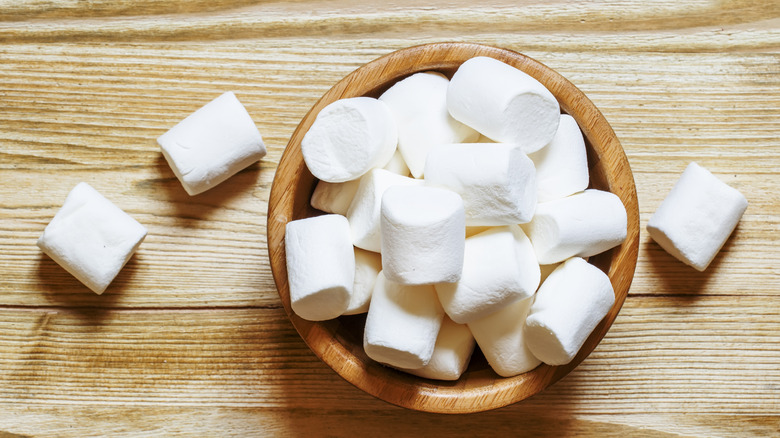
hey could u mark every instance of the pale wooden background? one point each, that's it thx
(191, 338)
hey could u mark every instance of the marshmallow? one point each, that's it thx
(320, 266)
(364, 212)
(397, 164)
(496, 181)
(503, 103)
(423, 233)
(582, 225)
(451, 354)
(402, 325)
(367, 267)
(419, 105)
(499, 267)
(562, 166)
(91, 237)
(212, 144)
(501, 338)
(334, 197)
(348, 138)
(568, 306)
(697, 217)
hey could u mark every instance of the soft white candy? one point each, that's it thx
(334, 197)
(423, 235)
(212, 144)
(496, 181)
(499, 267)
(568, 306)
(348, 138)
(503, 103)
(501, 338)
(451, 354)
(367, 267)
(697, 217)
(91, 237)
(582, 225)
(562, 165)
(397, 164)
(364, 212)
(419, 105)
(402, 325)
(320, 266)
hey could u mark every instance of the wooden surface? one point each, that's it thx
(191, 338)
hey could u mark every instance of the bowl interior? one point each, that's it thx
(339, 343)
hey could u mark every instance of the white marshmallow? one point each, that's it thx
(697, 217)
(364, 212)
(582, 225)
(451, 354)
(499, 268)
(423, 234)
(501, 338)
(419, 105)
(334, 197)
(503, 103)
(348, 138)
(402, 325)
(562, 165)
(320, 266)
(91, 238)
(568, 306)
(367, 267)
(212, 144)
(397, 164)
(496, 181)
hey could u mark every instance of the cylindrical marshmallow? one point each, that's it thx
(567, 307)
(501, 338)
(503, 103)
(496, 181)
(499, 267)
(451, 354)
(419, 105)
(334, 197)
(697, 217)
(320, 266)
(364, 211)
(402, 325)
(562, 165)
(581, 225)
(397, 164)
(348, 138)
(367, 267)
(423, 234)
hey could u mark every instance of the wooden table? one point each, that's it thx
(191, 338)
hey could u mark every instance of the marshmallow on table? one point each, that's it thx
(367, 267)
(419, 105)
(562, 165)
(451, 354)
(364, 211)
(496, 181)
(697, 217)
(501, 338)
(348, 138)
(499, 267)
(403, 324)
(503, 103)
(91, 237)
(582, 225)
(334, 197)
(212, 144)
(397, 164)
(568, 306)
(320, 266)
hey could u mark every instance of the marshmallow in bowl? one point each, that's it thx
(91, 238)
(503, 103)
(697, 217)
(348, 138)
(402, 325)
(423, 235)
(566, 309)
(582, 225)
(499, 267)
(320, 266)
(562, 165)
(419, 105)
(367, 267)
(334, 197)
(451, 354)
(496, 181)
(397, 164)
(212, 144)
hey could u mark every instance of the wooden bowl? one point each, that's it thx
(339, 342)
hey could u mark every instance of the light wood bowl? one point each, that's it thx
(339, 342)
